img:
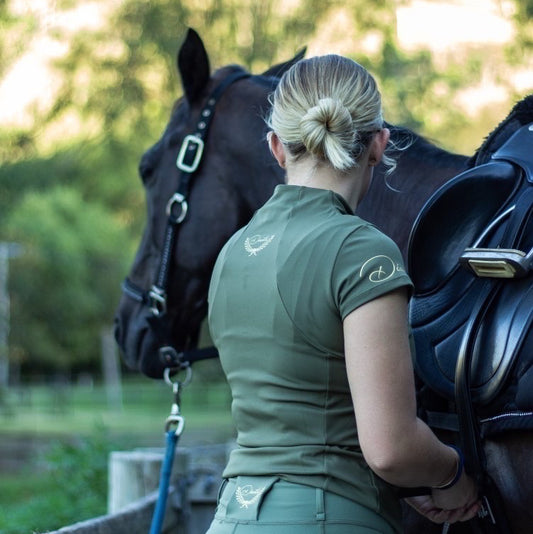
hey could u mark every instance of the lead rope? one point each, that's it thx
(173, 428)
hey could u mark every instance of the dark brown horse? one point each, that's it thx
(235, 176)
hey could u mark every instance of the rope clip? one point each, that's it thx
(175, 417)
(175, 420)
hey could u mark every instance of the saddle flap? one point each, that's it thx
(453, 218)
(503, 332)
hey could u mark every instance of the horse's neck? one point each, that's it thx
(393, 202)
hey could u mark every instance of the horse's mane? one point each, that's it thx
(522, 113)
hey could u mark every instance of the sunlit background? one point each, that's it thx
(450, 30)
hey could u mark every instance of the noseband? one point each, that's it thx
(188, 161)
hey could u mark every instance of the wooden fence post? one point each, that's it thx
(135, 474)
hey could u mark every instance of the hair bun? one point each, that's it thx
(327, 131)
(326, 107)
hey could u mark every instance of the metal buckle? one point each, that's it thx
(188, 144)
(178, 383)
(158, 301)
(171, 357)
(496, 262)
(492, 268)
(486, 510)
(177, 198)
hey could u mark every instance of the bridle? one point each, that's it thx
(187, 162)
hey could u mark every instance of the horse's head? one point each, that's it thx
(234, 176)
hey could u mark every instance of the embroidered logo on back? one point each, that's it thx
(255, 244)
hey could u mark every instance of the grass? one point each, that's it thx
(66, 482)
(69, 486)
(143, 408)
(20, 504)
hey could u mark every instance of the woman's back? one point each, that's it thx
(278, 295)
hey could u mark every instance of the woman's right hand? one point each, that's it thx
(463, 494)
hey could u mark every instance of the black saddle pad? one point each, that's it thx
(490, 206)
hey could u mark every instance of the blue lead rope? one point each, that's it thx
(164, 481)
(173, 429)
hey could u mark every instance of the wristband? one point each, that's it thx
(458, 473)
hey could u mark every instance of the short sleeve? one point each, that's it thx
(368, 265)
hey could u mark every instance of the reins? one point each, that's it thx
(177, 208)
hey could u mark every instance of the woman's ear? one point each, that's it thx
(378, 145)
(277, 149)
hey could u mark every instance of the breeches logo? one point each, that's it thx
(247, 495)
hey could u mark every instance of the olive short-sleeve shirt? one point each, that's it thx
(280, 290)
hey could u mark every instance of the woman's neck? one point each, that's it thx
(352, 185)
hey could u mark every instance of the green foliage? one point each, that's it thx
(78, 214)
(67, 281)
(71, 488)
(524, 12)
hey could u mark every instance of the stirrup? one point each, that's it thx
(497, 262)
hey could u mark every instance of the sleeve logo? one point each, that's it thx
(379, 268)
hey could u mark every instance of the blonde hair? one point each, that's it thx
(328, 106)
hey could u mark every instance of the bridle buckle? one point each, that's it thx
(190, 143)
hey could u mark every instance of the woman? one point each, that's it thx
(308, 309)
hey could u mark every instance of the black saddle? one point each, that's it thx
(471, 260)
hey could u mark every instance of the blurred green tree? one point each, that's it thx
(64, 285)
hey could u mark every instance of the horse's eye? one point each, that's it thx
(145, 168)
(174, 139)
(149, 161)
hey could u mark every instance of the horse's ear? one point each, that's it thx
(277, 70)
(193, 65)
